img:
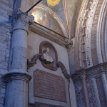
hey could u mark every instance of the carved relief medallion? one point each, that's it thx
(48, 55)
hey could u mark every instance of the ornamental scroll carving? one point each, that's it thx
(49, 59)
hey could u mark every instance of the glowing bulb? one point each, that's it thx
(53, 2)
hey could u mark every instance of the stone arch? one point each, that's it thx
(90, 48)
(80, 32)
(105, 36)
(95, 34)
(102, 34)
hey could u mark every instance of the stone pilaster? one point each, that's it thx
(83, 78)
(94, 84)
(17, 78)
(104, 80)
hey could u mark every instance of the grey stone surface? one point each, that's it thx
(5, 37)
(5, 9)
(2, 92)
(88, 50)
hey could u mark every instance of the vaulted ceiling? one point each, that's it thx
(61, 14)
(60, 18)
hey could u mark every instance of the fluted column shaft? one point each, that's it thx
(83, 77)
(104, 80)
(96, 92)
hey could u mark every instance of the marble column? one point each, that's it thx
(94, 84)
(104, 80)
(17, 78)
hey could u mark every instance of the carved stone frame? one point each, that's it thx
(51, 66)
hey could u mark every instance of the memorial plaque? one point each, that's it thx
(49, 86)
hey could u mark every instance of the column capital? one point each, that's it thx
(21, 20)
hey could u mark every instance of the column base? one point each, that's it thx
(16, 89)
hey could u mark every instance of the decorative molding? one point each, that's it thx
(16, 76)
(91, 72)
(49, 34)
(101, 32)
(86, 31)
(32, 61)
(80, 35)
(88, 36)
(63, 69)
(46, 62)
(91, 80)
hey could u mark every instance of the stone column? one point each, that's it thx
(17, 78)
(98, 104)
(104, 80)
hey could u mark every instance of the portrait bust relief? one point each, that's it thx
(48, 55)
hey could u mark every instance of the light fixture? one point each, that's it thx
(53, 2)
(49, 2)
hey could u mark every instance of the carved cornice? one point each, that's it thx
(91, 72)
(51, 35)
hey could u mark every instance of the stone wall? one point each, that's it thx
(49, 80)
(86, 51)
(5, 9)
(4, 56)
(5, 35)
(4, 46)
(91, 86)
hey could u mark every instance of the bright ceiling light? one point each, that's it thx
(53, 2)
